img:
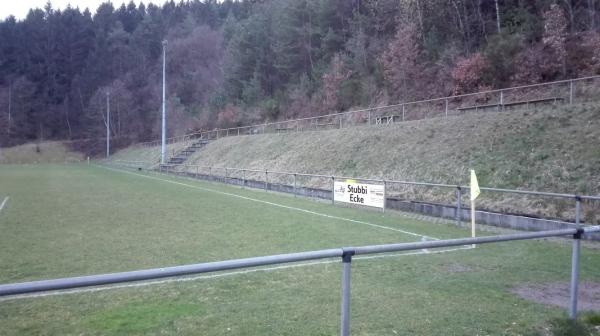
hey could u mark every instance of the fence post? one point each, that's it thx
(369, 118)
(571, 92)
(243, 178)
(575, 261)
(266, 180)
(402, 112)
(340, 121)
(210, 172)
(458, 206)
(347, 264)
(501, 106)
(197, 171)
(384, 194)
(333, 190)
(294, 184)
(446, 106)
(226, 176)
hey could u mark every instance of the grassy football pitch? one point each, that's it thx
(75, 220)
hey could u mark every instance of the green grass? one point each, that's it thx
(148, 156)
(75, 220)
(550, 149)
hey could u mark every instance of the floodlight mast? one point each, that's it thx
(163, 149)
(107, 123)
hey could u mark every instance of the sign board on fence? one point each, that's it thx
(349, 191)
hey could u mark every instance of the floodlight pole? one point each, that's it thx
(164, 106)
(10, 103)
(107, 124)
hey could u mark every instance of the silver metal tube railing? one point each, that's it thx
(293, 187)
(345, 253)
(262, 126)
(163, 272)
(425, 184)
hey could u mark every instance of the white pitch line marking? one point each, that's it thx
(219, 275)
(274, 204)
(3, 203)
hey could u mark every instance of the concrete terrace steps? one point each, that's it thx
(182, 156)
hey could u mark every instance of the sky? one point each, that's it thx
(20, 8)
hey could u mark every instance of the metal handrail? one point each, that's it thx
(370, 109)
(425, 184)
(346, 253)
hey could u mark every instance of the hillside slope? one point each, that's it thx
(45, 152)
(554, 149)
(147, 156)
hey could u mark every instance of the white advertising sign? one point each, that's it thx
(349, 191)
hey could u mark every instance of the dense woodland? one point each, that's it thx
(237, 62)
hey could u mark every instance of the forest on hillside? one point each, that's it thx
(236, 62)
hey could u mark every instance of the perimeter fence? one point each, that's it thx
(434, 199)
(346, 254)
(571, 91)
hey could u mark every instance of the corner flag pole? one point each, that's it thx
(474, 193)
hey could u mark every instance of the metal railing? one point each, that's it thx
(346, 254)
(568, 91)
(322, 188)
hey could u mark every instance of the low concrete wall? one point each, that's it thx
(429, 209)
(484, 217)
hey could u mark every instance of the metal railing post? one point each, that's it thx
(226, 176)
(458, 206)
(575, 261)
(369, 118)
(340, 121)
(295, 190)
(243, 178)
(266, 180)
(384, 194)
(446, 106)
(402, 112)
(333, 190)
(345, 319)
(197, 171)
(210, 172)
(571, 92)
(501, 105)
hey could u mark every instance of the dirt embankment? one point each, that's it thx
(44, 152)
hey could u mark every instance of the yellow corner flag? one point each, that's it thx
(474, 186)
(474, 193)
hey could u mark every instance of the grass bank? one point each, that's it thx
(551, 149)
(34, 153)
